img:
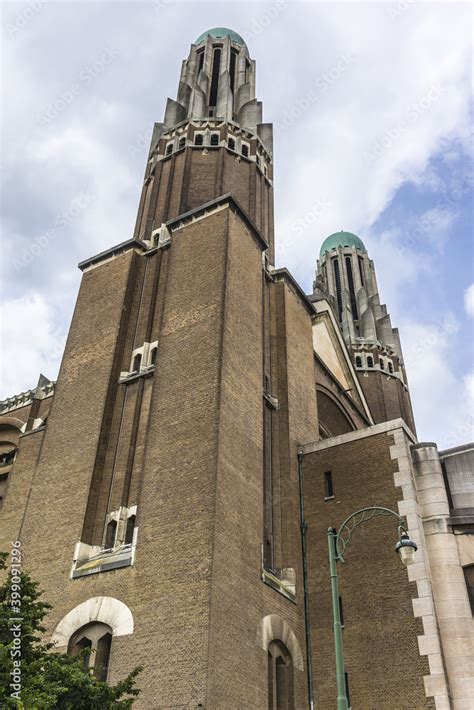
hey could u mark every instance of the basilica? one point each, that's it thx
(173, 489)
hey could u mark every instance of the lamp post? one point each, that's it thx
(337, 543)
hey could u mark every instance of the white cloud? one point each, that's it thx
(32, 342)
(377, 125)
(469, 300)
(376, 100)
(442, 398)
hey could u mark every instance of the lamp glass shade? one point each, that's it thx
(406, 548)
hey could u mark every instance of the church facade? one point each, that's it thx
(173, 489)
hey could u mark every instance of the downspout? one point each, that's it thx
(307, 621)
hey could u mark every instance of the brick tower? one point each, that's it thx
(346, 277)
(155, 499)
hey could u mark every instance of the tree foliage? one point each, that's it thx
(35, 677)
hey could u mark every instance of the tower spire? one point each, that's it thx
(212, 140)
(345, 276)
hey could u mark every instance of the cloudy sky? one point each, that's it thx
(370, 104)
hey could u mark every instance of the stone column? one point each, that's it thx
(452, 606)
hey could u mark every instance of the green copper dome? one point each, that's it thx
(341, 239)
(220, 33)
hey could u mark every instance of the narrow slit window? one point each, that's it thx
(233, 60)
(137, 363)
(382, 365)
(337, 279)
(153, 356)
(129, 530)
(110, 534)
(200, 61)
(350, 279)
(328, 486)
(390, 367)
(216, 67)
(268, 486)
(102, 657)
(361, 270)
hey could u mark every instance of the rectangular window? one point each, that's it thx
(328, 487)
(233, 59)
(337, 279)
(216, 68)
(268, 487)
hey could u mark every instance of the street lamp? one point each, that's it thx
(406, 548)
(337, 543)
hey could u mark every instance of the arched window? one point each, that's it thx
(280, 677)
(129, 530)
(214, 139)
(97, 638)
(110, 534)
(358, 361)
(370, 361)
(198, 139)
(182, 142)
(245, 150)
(169, 149)
(390, 367)
(382, 364)
(231, 143)
(469, 578)
(137, 363)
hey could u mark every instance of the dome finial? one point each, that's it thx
(220, 33)
(341, 239)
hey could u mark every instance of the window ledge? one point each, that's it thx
(286, 587)
(329, 497)
(104, 561)
(146, 372)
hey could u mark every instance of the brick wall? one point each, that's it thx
(380, 636)
(195, 590)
